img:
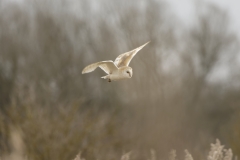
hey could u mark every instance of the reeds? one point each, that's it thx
(217, 151)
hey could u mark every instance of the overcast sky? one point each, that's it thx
(185, 10)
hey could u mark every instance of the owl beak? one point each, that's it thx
(130, 74)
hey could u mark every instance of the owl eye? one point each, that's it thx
(128, 72)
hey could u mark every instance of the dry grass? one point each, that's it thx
(217, 151)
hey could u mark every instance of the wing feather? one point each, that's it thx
(106, 66)
(125, 58)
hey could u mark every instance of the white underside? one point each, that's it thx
(115, 77)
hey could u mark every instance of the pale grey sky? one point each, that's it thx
(185, 10)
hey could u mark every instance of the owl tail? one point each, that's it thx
(107, 77)
(104, 77)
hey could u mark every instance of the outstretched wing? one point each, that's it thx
(125, 58)
(107, 66)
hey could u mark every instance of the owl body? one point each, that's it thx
(118, 69)
(122, 73)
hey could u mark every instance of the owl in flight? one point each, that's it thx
(118, 69)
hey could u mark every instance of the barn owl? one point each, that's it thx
(118, 69)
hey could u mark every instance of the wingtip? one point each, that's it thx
(144, 44)
(84, 71)
(147, 42)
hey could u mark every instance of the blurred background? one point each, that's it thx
(185, 91)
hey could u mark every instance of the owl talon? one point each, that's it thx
(109, 80)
